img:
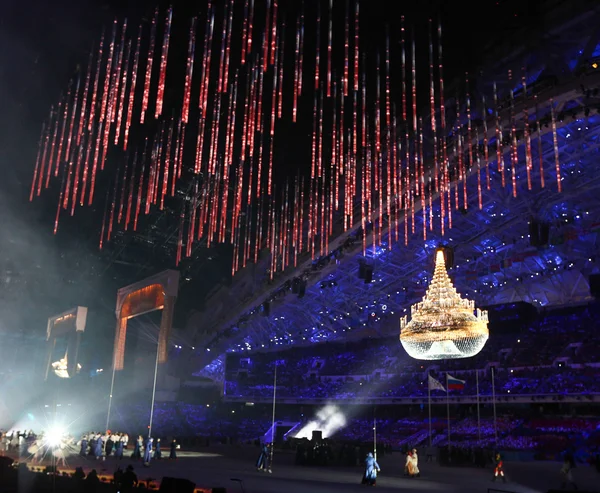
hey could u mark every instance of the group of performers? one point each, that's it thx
(93, 444)
(411, 467)
(37, 447)
(103, 445)
(11, 441)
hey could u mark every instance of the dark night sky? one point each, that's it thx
(42, 45)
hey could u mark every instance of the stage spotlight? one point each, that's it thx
(54, 435)
(329, 420)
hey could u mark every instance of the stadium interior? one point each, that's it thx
(301, 348)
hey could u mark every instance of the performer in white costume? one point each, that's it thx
(411, 467)
(59, 454)
(408, 464)
(14, 441)
(36, 451)
(415, 463)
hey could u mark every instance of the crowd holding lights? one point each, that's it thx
(527, 352)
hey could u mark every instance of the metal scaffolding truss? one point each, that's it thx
(556, 46)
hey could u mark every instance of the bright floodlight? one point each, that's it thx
(329, 420)
(443, 325)
(54, 435)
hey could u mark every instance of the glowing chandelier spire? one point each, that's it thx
(443, 325)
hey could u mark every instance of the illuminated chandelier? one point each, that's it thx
(443, 325)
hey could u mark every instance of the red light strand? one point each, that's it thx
(130, 194)
(96, 83)
(499, 139)
(228, 48)
(38, 161)
(273, 33)
(160, 92)
(140, 190)
(108, 72)
(318, 51)
(527, 135)
(540, 150)
(555, 144)
(134, 72)
(189, 71)
(122, 93)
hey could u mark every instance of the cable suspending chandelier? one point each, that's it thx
(443, 325)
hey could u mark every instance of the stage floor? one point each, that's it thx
(217, 466)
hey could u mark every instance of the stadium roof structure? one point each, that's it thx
(528, 243)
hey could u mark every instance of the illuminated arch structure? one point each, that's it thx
(158, 292)
(72, 325)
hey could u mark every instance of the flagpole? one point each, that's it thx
(448, 407)
(478, 414)
(273, 423)
(374, 435)
(153, 390)
(494, 405)
(429, 399)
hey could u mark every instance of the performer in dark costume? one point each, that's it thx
(148, 452)
(119, 448)
(109, 445)
(98, 449)
(371, 470)
(262, 464)
(567, 472)
(499, 468)
(137, 454)
(93, 439)
(173, 454)
(84, 446)
(157, 452)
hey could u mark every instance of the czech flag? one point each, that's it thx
(454, 383)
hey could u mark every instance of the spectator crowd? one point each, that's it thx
(555, 355)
